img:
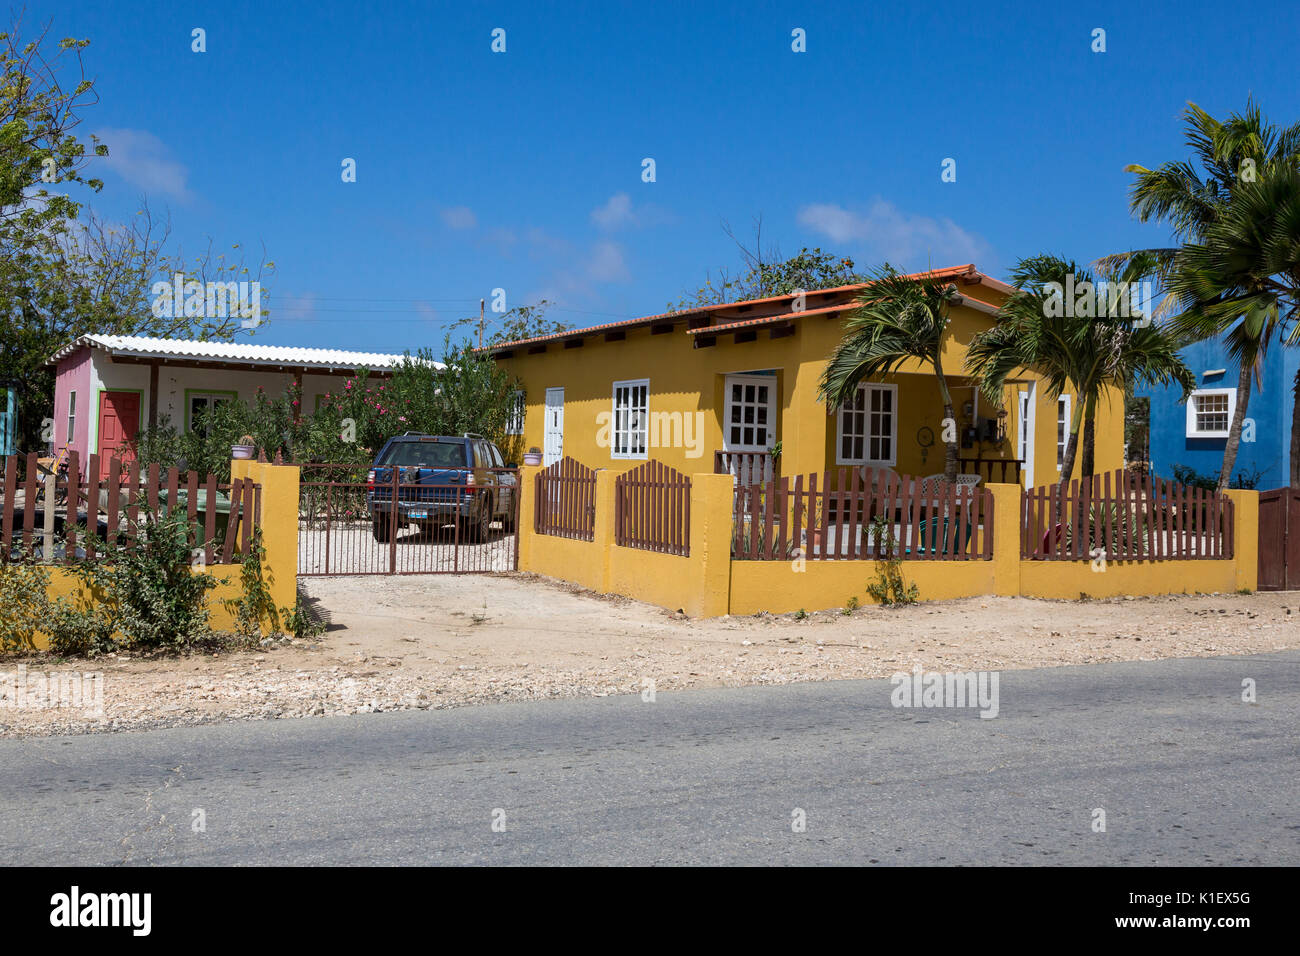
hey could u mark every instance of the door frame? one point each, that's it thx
(1027, 425)
(744, 378)
(550, 457)
(99, 410)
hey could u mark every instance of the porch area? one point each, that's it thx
(771, 424)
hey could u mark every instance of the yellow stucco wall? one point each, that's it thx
(709, 582)
(695, 583)
(279, 525)
(688, 380)
(1074, 579)
(777, 587)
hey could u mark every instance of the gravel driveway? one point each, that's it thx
(436, 641)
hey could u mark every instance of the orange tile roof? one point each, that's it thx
(966, 270)
(763, 319)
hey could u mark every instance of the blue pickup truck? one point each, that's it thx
(440, 480)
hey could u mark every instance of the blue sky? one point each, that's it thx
(522, 170)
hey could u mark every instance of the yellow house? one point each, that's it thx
(734, 386)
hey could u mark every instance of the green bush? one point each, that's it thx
(153, 598)
(23, 603)
(256, 605)
(78, 631)
(889, 588)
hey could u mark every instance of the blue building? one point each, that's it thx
(1193, 434)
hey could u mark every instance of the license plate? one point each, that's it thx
(419, 513)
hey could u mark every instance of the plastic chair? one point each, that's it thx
(924, 528)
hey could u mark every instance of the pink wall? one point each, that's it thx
(73, 374)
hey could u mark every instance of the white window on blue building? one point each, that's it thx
(1209, 412)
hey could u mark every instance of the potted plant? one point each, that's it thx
(533, 456)
(245, 449)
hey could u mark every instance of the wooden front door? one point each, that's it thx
(1279, 540)
(119, 423)
(553, 430)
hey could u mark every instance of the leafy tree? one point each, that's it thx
(1191, 197)
(521, 322)
(1082, 353)
(63, 274)
(899, 320)
(1242, 280)
(767, 273)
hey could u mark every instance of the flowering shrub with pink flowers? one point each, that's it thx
(353, 419)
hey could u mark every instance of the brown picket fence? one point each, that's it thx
(1125, 516)
(902, 516)
(95, 516)
(566, 500)
(652, 509)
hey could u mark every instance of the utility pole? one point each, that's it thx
(481, 303)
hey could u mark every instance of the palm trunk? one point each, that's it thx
(1295, 433)
(1234, 430)
(1071, 444)
(951, 452)
(1089, 439)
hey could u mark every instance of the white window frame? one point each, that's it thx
(758, 381)
(892, 460)
(72, 415)
(1192, 430)
(211, 397)
(634, 425)
(518, 412)
(1062, 434)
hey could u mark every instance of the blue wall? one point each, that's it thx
(1270, 407)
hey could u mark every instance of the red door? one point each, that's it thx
(119, 422)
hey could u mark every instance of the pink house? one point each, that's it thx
(108, 387)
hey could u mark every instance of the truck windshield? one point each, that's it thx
(424, 454)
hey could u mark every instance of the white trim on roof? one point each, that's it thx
(190, 350)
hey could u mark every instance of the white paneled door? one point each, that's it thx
(553, 436)
(1025, 443)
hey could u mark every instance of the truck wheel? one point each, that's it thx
(380, 527)
(483, 525)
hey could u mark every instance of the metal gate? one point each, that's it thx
(350, 525)
(1279, 540)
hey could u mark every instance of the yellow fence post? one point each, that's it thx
(279, 525)
(527, 514)
(711, 507)
(603, 536)
(1006, 538)
(1245, 537)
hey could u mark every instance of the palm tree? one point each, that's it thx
(1086, 353)
(1229, 154)
(1242, 280)
(899, 319)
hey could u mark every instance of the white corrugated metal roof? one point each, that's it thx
(233, 353)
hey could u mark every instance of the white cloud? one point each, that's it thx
(607, 263)
(459, 217)
(299, 308)
(905, 240)
(578, 279)
(144, 160)
(617, 211)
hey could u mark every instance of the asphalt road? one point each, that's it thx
(1186, 773)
